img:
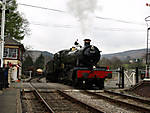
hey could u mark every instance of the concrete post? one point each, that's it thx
(2, 31)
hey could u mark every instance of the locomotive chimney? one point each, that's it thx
(87, 42)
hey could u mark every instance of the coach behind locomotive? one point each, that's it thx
(78, 65)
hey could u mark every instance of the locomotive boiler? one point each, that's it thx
(78, 65)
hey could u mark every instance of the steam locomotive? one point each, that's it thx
(78, 65)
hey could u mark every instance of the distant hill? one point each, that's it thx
(35, 54)
(132, 54)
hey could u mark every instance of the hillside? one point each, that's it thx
(132, 54)
(35, 54)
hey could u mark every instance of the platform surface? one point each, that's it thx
(142, 88)
(8, 102)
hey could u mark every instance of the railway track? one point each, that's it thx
(62, 102)
(122, 100)
(129, 101)
(112, 102)
(54, 101)
(33, 102)
(35, 79)
(82, 101)
(134, 98)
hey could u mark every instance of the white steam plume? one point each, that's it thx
(84, 11)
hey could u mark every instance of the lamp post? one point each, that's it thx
(147, 19)
(2, 31)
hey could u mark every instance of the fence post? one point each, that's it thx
(122, 73)
(137, 74)
(119, 77)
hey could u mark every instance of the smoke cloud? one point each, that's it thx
(84, 11)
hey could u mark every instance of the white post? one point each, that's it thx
(2, 31)
(134, 78)
(119, 81)
(30, 72)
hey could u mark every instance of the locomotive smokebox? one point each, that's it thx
(87, 42)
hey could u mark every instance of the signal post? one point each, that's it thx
(2, 32)
(147, 19)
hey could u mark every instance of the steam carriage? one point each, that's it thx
(78, 65)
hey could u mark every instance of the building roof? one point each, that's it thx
(10, 41)
(13, 42)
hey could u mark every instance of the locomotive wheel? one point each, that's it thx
(87, 85)
(74, 79)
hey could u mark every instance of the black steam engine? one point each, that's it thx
(78, 65)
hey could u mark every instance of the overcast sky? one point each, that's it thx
(112, 25)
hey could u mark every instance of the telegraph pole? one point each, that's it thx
(147, 19)
(2, 31)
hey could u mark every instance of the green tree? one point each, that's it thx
(137, 63)
(27, 64)
(116, 62)
(39, 63)
(104, 62)
(16, 26)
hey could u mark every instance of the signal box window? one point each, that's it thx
(11, 53)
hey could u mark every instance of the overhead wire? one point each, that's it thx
(42, 7)
(96, 28)
(120, 29)
(117, 20)
(98, 17)
(70, 26)
(54, 25)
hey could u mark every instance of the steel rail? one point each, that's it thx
(128, 96)
(119, 102)
(41, 99)
(90, 108)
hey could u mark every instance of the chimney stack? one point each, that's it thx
(87, 42)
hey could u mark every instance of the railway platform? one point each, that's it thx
(142, 88)
(10, 101)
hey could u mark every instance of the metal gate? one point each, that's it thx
(128, 78)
